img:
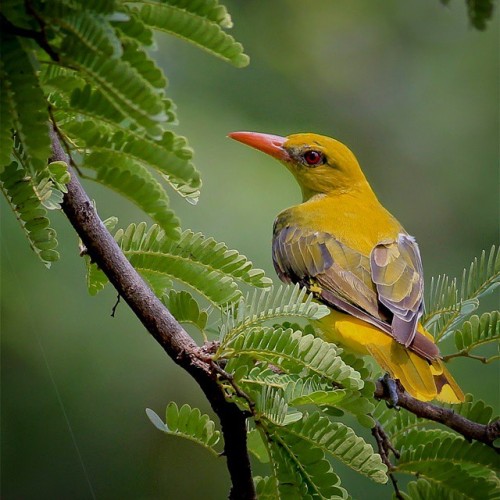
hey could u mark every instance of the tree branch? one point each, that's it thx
(470, 430)
(156, 318)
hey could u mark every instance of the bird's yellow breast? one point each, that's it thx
(356, 219)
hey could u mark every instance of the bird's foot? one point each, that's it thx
(391, 389)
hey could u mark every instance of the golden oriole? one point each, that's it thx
(356, 258)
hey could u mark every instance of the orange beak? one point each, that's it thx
(267, 143)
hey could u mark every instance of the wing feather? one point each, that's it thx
(384, 288)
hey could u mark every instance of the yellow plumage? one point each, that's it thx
(356, 258)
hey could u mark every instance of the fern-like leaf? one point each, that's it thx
(210, 9)
(89, 30)
(185, 309)
(127, 90)
(476, 332)
(193, 27)
(188, 423)
(432, 490)
(256, 446)
(134, 181)
(442, 457)
(272, 405)
(169, 155)
(208, 267)
(28, 116)
(19, 189)
(301, 470)
(294, 352)
(266, 488)
(134, 29)
(339, 441)
(6, 123)
(477, 411)
(450, 304)
(280, 302)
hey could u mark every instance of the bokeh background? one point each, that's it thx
(408, 85)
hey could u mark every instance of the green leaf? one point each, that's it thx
(283, 301)
(266, 488)
(124, 86)
(169, 156)
(431, 490)
(143, 64)
(301, 470)
(257, 447)
(185, 309)
(476, 332)
(188, 423)
(132, 180)
(447, 459)
(272, 405)
(19, 189)
(294, 352)
(339, 441)
(6, 123)
(477, 411)
(25, 104)
(451, 305)
(210, 9)
(89, 32)
(135, 29)
(201, 263)
(195, 28)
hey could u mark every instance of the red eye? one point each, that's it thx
(313, 157)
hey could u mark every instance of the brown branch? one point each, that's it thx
(470, 430)
(104, 251)
(384, 449)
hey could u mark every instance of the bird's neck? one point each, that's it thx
(358, 186)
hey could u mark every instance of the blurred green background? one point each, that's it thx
(408, 85)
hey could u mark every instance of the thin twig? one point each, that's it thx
(113, 310)
(384, 449)
(465, 354)
(239, 392)
(470, 430)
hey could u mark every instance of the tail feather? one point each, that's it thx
(425, 379)
(411, 370)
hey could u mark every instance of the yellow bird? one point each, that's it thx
(356, 258)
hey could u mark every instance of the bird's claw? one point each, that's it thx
(391, 390)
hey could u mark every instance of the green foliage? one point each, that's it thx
(339, 441)
(208, 267)
(185, 309)
(293, 352)
(20, 190)
(450, 304)
(477, 332)
(269, 305)
(188, 423)
(84, 66)
(453, 466)
(198, 26)
(25, 105)
(301, 471)
(450, 461)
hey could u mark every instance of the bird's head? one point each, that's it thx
(320, 164)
